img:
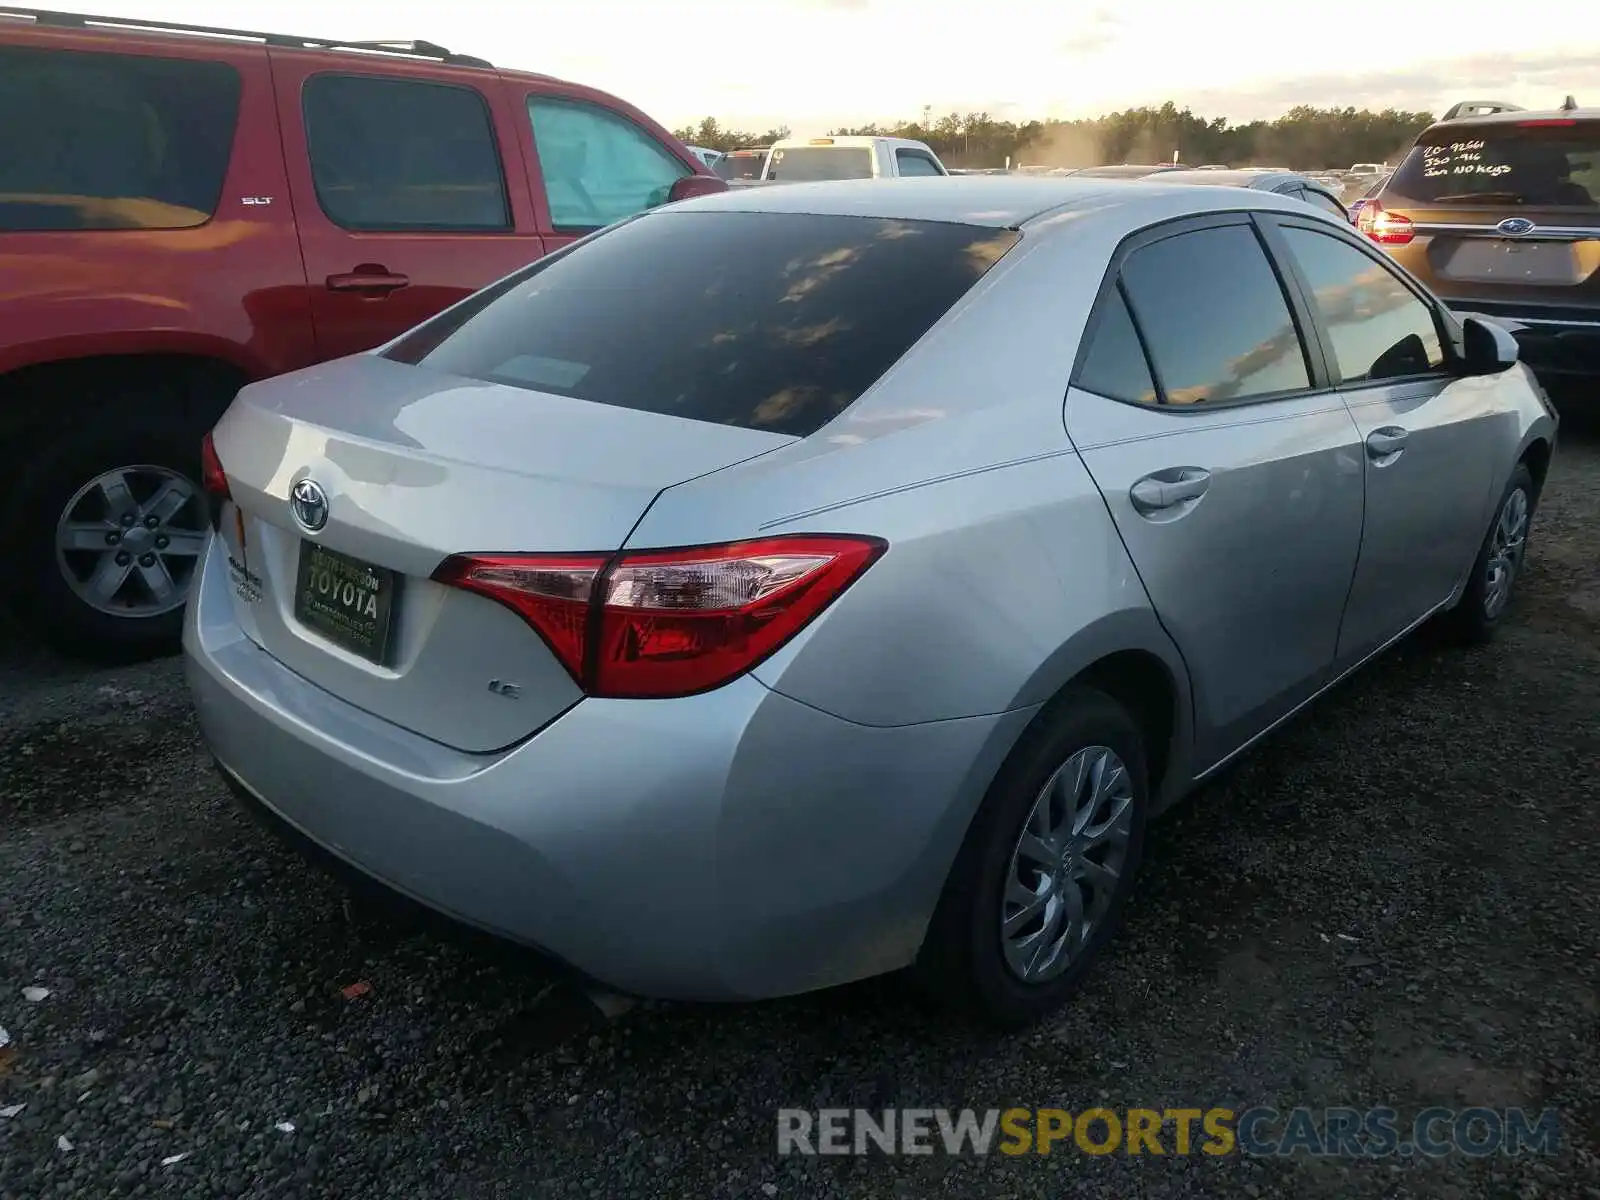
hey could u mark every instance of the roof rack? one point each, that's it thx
(408, 49)
(1479, 108)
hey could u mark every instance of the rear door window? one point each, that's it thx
(1214, 317)
(1325, 202)
(1115, 365)
(1543, 166)
(398, 155)
(804, 164)
(773, 321)
(112, 141)
(598, 166)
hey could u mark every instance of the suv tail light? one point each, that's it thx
(214, 481)
(660, 623)
(1385, 228)
(212, 477)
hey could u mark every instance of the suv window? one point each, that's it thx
(914, 162)
(803, 164)
(1555, 166)
(112, 141)
(396, 155)
(598, 167)
(1214, 317)
(1115, 365)
(1378, 326)
(774, 321)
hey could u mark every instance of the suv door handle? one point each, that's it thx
(368, 277)
(1168, 489)
(1385, 442)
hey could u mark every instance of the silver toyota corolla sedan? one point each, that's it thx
(797, 584)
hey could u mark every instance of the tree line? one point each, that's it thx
(1303, 139)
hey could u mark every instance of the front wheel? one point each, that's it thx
(1039, 885)
(109, 524)
(1499, 564)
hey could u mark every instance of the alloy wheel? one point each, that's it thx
(128, 541)
(1067, 864)
(1506, 544)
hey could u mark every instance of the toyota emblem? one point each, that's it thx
(1515, 226)
(309, 504)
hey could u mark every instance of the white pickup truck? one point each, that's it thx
(806, 160)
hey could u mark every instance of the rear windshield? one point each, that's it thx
(772, 321)
(740, 166)
(797, 164)
(1546, 166)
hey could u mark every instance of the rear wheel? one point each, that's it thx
(108, 525)
(1040, 883)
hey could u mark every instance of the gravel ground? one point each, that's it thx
(1392, 902)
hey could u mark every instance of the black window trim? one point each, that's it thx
(510, 223)
(533, 94)
(228, 160)
(1449, 339)
(1300, 315)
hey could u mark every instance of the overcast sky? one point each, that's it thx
(812, 64)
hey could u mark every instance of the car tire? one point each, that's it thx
(153, 451)
(1488, 594)
(969, 960)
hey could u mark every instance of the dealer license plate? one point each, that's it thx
(347, 601)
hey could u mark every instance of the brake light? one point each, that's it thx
(662, 623)
(1385, 228)
(1546, 122)
(212, 477)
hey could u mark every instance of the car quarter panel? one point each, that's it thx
(958, 457)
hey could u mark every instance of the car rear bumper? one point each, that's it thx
(732, 845)
(1553, 343)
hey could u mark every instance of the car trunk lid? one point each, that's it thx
(411, 466)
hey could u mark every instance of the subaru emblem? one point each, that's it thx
(1515, 226)
(309, 504)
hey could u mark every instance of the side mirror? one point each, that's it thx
(1487, 347)
(691, 186)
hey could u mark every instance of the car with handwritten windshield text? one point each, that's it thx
(1497, 210)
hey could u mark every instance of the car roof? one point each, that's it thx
(1514, 118)
(1124, 170)
(997, 201)
(849, 141)
(1248, 178)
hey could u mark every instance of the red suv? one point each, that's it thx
(184, 210)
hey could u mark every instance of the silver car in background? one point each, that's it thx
(798, 584)
(1281, 183)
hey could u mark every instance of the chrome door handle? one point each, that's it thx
(1168, 489)
(1381, 443)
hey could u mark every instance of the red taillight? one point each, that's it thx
(661, 623)
(1385, 228)
(212, 476)
(1547, 123)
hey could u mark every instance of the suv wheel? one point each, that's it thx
(109, 525)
